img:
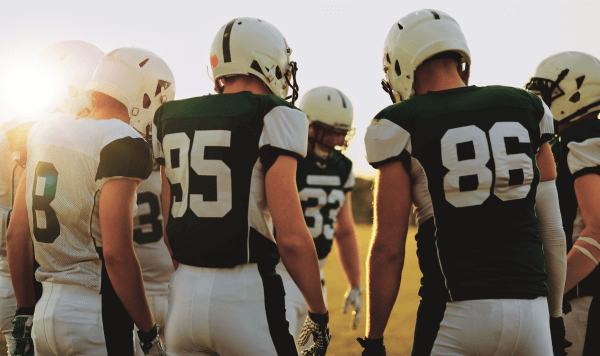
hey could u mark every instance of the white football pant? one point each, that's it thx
(576, 324)
(235, 311)
(495, 327)
(296, 308)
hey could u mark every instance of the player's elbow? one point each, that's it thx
(116, 258)
(386, 253)
(294, 244)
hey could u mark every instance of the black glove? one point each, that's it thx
(22, 324)
(557, 332)
(315, 324)
(150, 342)
(566, 307)
(373, 347)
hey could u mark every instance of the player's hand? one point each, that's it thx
(150, 342)
(557, 332)
(315, 324)
(22, 323)
(353, 298)
(373, 347)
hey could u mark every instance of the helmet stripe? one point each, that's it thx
(226, 39)
(342, 96)
(435, 14)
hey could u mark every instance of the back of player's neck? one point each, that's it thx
(107, 113)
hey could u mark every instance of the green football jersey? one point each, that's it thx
(216, 150)
(470, 153)
(322, 190)
(577, 152)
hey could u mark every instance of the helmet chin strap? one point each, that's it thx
(387, 87)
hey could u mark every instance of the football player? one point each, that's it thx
(467, 157)
(77, 205)
(569, 83)
(325, 180)
(228, 169)
(150, 249)
(74, 63)
(9, 178)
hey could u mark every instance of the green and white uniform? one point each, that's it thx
(470, 153)
(68, 161)
(216, 150)
(577, 153)
(322, 189)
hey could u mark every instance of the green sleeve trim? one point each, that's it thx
(126, 157)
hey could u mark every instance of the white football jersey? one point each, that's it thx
(69, 160)
(148, 242)
(9, 179)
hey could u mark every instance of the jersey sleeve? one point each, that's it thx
(349, 182)
(386, 141)
(124, 157)
(285, 131)
(583, 157)
(157, 137)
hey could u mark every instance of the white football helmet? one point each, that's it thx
(569, 83)
(74, 63)
(415, 38)
(139, 79)
(329, 112)
(247, 45)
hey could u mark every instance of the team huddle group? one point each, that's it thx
(130, 219)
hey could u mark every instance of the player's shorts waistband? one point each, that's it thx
(68, 293)
(238, 270)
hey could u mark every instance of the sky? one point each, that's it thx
(335, 43)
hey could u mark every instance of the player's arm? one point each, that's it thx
(20, 250)
(386, 255)
(551, 230)
(166, 206)
(116, 223)
(294, 242)
(345, 239)
(545, 163)
(585, 254)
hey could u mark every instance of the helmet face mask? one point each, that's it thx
(324, 140)
(412, 40)
(330, 114)
(569, 83)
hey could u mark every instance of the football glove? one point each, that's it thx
(150, 342)
(373, 347)
(315, 324)
(22, 323)
(566, 307)
(353, 298)
(557, 333)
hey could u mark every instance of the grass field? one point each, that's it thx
(399, 331)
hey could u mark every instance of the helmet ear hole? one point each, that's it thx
(575, 97)
(147, 101)
(278, 73)
(397, 68)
